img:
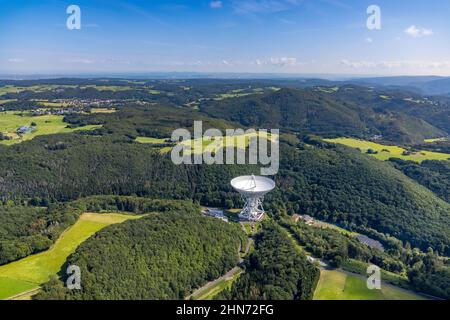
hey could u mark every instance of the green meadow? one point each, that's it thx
(147, 140)
(42, 88)
(213, 144)
(38, 88)
(7, 101)
(10, 121)
(31, 272)
(436, 140)
(384, 152)
(338, 285)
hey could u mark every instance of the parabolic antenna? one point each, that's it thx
(252, 189)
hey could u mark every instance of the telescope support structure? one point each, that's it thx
(253, 209)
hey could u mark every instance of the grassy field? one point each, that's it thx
(212, 145)
(216, 143)
(436, 140)
(103, 110)
(30, 272)
(385, 152)
(38, 88)
(337, 285)
(148, 140)
(10, 121)
(42, 88)
(107, 88)
(7, 101)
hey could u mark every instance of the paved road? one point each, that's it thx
(230, 274)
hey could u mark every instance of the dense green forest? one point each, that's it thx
(435, 175)
(275, 270)
(342, 186)
(28, 230)
(47, 182)
(331, 182)
(161, 256)
(312, 111)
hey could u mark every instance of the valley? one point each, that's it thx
(95, 186)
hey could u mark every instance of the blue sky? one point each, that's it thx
(264, 36)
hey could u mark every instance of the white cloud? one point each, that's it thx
(369, 40)
(80, 61)
(216, 4)
(405, 64)
(15, 60)
(417, 32)
(280, 62)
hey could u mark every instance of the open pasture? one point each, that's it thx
(385, 152)
(10, 121)
(31, 272)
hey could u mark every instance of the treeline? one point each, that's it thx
(275, 270)
(161, 256)
(28, 230)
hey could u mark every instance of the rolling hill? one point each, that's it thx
(324, 112)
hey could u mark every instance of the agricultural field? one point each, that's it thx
(436, 140)
(213, 144)
(238, 93)
(43, 88)
(37, 88)
(10, 121)
(103, 110)
(7, 101)
(338, 285)
(31, 272)
(50, 104)
(147, 140)
(383, 152)
(107, 88)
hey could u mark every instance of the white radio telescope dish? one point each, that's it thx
(252, 189)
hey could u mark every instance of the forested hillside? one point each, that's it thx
(331, 182)
(276, 270)
(161, 256)
(435, 175)
(28, 230)
(324, 113)
(343, 186)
